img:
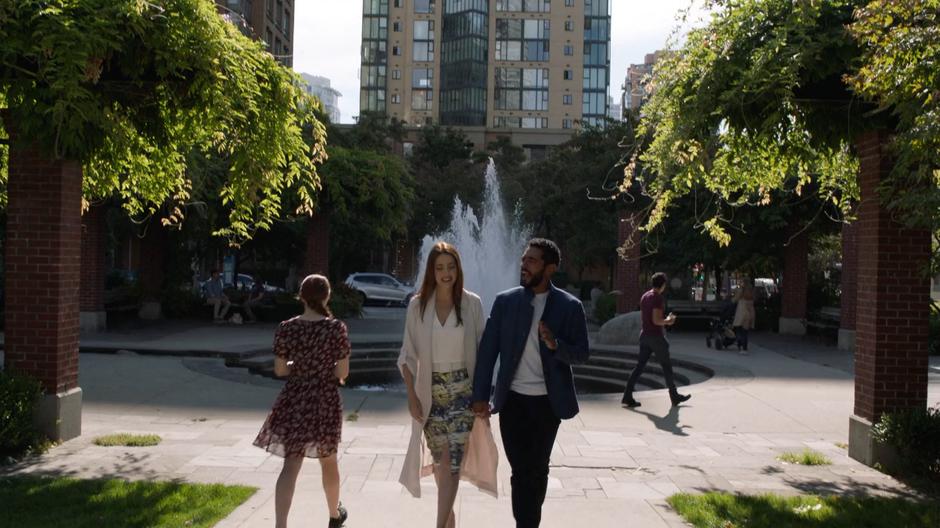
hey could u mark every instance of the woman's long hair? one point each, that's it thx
(429, 284)
(315, 291)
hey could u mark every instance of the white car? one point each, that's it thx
(380, 287)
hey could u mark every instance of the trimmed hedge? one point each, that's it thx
(915, 434)
(19, 397)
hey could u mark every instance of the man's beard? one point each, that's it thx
(534, 281)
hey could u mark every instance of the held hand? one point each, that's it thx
(481, 409)
(671, 319)
(414, 408)
(547, 336)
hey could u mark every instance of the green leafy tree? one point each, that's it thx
(565, 196)
(368, 196)
(131, 89)
(751, 108)
(444, 168)
(898, 72)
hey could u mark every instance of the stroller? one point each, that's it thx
(720, 329)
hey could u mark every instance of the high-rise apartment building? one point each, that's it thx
(271, 21)
(530, 69)
(634, 87)
(322, 89)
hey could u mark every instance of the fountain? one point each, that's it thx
(490, 249)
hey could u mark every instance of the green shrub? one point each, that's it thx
(19, 397)
(345, 302)
(606, 308)
(180, 302)
(915, 434)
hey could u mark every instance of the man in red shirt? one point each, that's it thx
(653, 341)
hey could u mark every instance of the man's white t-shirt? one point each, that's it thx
(530, 378)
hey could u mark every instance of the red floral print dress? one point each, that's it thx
(307, 417)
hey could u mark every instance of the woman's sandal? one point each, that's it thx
(337, 522)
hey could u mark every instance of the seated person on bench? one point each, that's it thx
(216, 297)
(255, 297)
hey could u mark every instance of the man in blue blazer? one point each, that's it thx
(537, 332)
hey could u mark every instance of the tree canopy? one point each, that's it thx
(763, 103)
(132, 88)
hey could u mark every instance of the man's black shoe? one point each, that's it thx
(679, 398)
(631, 403)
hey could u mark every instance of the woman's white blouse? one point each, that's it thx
(447, 344)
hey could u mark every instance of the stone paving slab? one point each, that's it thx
(610, 466)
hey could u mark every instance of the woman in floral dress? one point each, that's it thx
(312, 351)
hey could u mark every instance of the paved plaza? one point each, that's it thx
(610, 466)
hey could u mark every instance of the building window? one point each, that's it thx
(566, 99)
(424, 30)
(569, 49)
(568, 3)
(372, 76)
(595, 103)
(423, 51)
(535, 99)
(565, 123)
(396, 50)
(396, 74)
(521, 89)
(424, 6)
(422, 78)
(421, 99)
(528, 6)
(396, 27)
(398, 3)
(568, 75)
(522, 39)
(595, 79)
(569, 25)
(268, 38)
(396, 98)
(534, 122)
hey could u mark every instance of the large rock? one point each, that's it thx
(621, 330)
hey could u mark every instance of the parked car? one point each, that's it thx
(244, 282)
(380, 287)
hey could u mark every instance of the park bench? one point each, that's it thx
(694, 309)
(824, 321)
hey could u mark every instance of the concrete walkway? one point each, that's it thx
(611, 467)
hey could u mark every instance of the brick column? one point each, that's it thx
(317, 256)
(627, 270)
(43, 259)
(152, 260)
(93, 318)
(892, 310)
(849, 279)
(795, 283)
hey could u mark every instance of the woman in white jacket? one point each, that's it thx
(442, 330)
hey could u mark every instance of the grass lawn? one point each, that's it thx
(807, 458)
(56, 502)
(128, 440)
(725, 510)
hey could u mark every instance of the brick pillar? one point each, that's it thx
(43, 260)
(795, 283)
(93, 318)
(317, 256)
(891, 315)
(152, 261)
(627, 270)
(849, 280)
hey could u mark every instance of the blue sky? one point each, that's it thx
(327, 38)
